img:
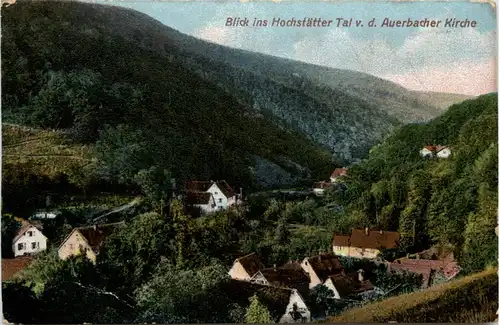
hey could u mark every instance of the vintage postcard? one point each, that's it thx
(249, 162)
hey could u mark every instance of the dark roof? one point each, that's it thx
(95, 235)
(418, 268)
(341, 240)
(430, 148)
(377, 239)
(349, 284)
(251, 263)
(198, 186)
(225, 188)
(339, 172)
(322, 185)
(424, 266)
(12, 266)
(198, 198)
(274, 298)
(325, 265)
(285, 277)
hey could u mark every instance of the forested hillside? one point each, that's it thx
(135, 109)
(441, 201)
(66, 66)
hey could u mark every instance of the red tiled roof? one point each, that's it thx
(430, 148)
(341, 240)
(376, 239)
(349, 284)
(12, 266)
(325, 265)
(251, 263)
(424, 270)
(285, 277)
(339, 172)
(198, 198)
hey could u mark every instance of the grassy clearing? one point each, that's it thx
(45, 152)
(472, 298)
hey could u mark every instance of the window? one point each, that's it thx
(20, 246)
(220, 200)
(216, 193)
(30, 233)
(33, 245)
(70, 246)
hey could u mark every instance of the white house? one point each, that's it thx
(320, 187)
(28, 240)
(443, 152)
(320, 267)
(211, 196)
(296, 311)
(44, 215)
(245, 267)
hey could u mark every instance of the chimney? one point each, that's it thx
(367, 232)
(381, 231)
(361, 277)
(418, 256)
(274, 266)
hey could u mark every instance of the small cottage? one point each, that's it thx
(86, 241)
(428, 151)
(320, 267)
(443, 152)
(432, 151)
(29, 239)
(285, 276)
(337, 174)
(365, 243)
(245, 267)
(284, 305)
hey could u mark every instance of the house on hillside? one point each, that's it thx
(288, 276)
(210, 196)
(44, 214)
(320, 267)
(11, 267)
(432, 151)
(337, 174)
(29, 239)
(345, 285)
(86, 240)
(365, 243)
(245, 267)
(320, 187)
(284, 305)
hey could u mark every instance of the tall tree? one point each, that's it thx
(257, 313)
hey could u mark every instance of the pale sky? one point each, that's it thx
(458, 60)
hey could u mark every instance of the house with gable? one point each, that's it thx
(29, 239)
(245, 267)
(443, 152)
(210, 196)
(320, 267)
(285, 305)
(290, 275)
(365, 243)
(438, 151)
(337, 174)
(86, 241)
(428, 151)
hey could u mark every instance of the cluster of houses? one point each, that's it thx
(432, 151)
(336, 177)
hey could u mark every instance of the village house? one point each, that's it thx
(290, 275)
(435, 151)
(320, 187)
(43, 214)
(320, 267)
(86, 240)
(210, 196)
(285, 305)
(365, 243)
(245, 267)
(337, 174)
(345, 285)
(29, 239)
(12, 267)
(434, 263)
